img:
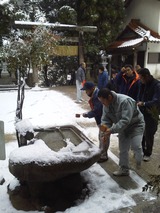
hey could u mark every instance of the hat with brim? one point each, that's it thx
(88, 85)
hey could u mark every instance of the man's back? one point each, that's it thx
(102, 80)
(123, 114)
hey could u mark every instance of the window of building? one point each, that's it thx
(153, 58)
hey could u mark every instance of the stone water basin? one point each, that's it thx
(54, 153)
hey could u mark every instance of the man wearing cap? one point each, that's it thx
(149, 104)
(95, 112)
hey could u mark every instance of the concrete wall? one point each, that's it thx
(148, 11)
(154, 68)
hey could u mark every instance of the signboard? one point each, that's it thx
(66, 50)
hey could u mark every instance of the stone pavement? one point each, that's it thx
(138, 177)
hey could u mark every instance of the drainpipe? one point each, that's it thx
(134, 57)
(109, 67)
(146, 55)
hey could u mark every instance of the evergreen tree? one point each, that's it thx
(5, 20)
(106, 15)
(29, 50)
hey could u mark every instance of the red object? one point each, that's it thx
(83, 82)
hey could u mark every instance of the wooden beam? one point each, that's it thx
(23, 24)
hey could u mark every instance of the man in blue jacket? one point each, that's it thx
(102, 78)
(95, 112)
(149, 104)
(128, 81)
(121, 115)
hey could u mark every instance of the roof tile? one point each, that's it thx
(143, 34)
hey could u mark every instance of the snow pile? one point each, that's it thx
(40, 153)
(24, 126)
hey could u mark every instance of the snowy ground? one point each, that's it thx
(46, 108)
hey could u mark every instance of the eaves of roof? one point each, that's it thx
(143, 30)
(143, 34)
(126, 43)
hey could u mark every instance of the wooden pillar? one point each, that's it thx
(80, 48)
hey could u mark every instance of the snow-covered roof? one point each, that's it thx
(132, 42)
(144, 31)
(134, 34)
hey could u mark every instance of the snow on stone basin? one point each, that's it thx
(24, 126)
(37, 162)
(39, 152)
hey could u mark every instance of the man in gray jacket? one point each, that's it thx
(121, 115)
(80, 80)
